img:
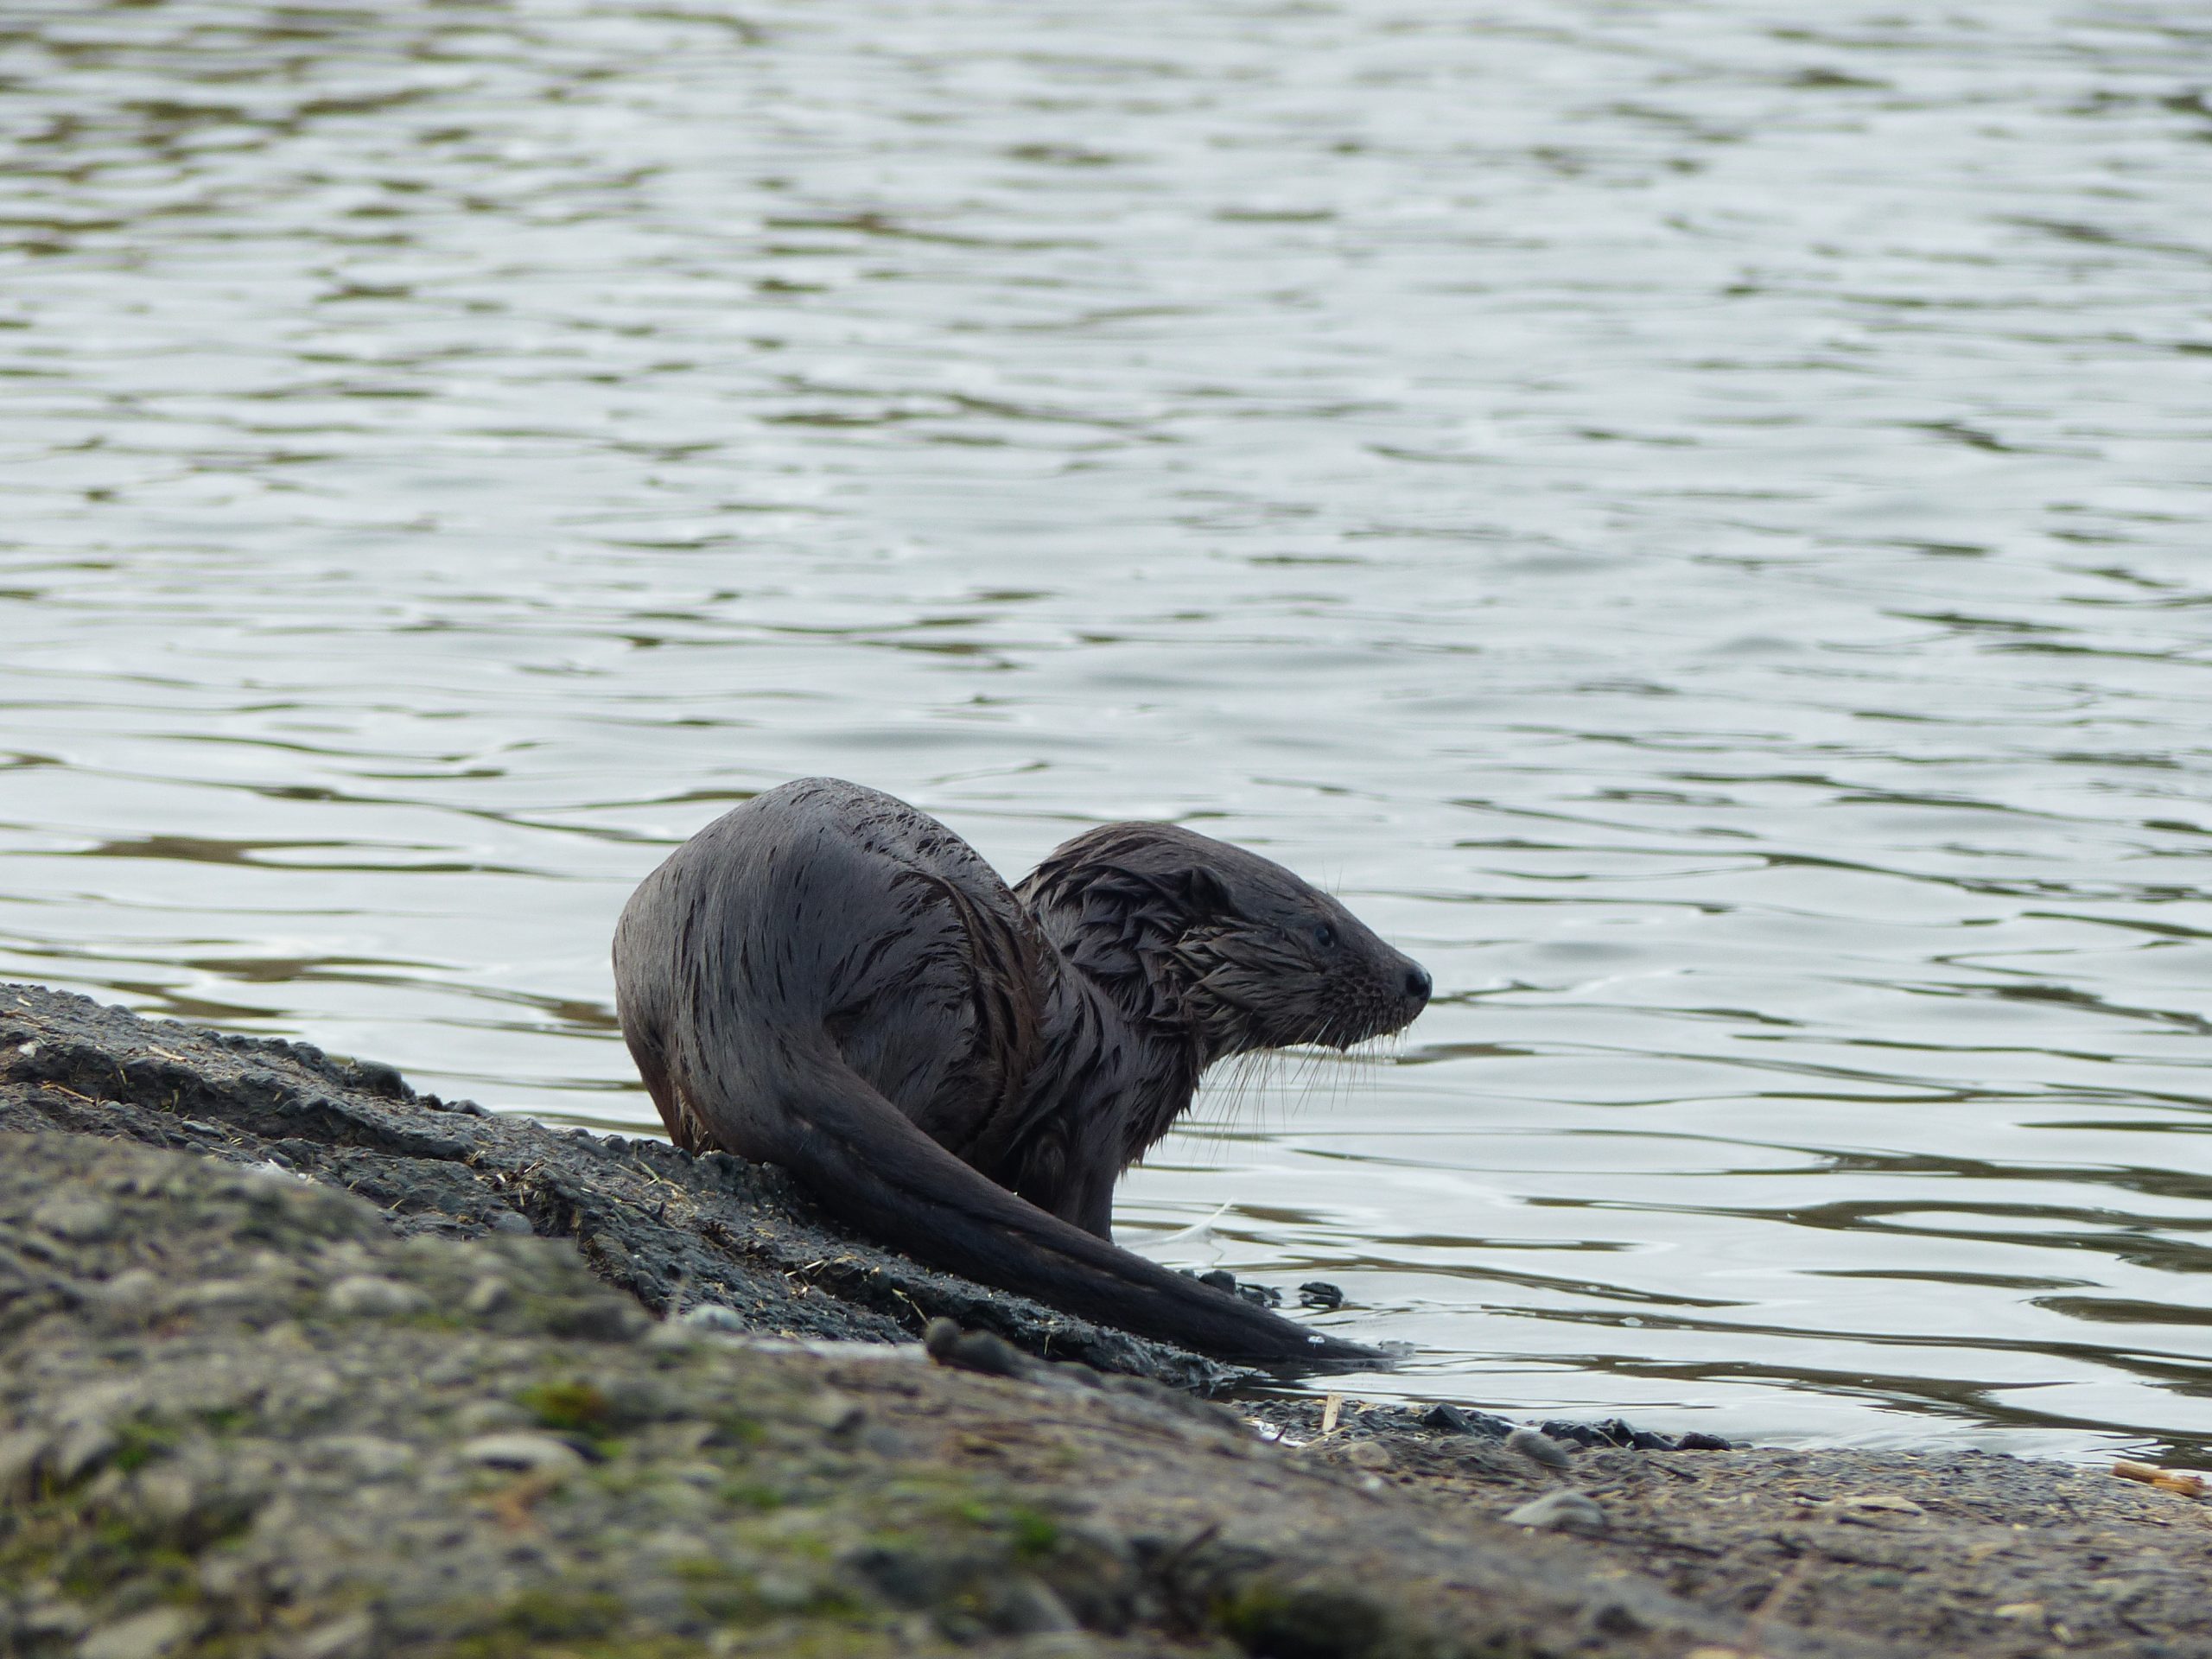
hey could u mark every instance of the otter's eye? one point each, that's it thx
(1325, 936)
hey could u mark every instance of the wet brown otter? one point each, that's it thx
(828, 980)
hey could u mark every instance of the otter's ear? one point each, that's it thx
(1207, 892)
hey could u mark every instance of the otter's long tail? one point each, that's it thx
(860, 1160)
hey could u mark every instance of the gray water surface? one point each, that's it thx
(1690, 517)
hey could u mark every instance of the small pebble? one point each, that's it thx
(511, 1221)
(21, 1453)
(65, 1620)
(1024, 1605)
(712, 1316)
(838, 1415)
(1367, 1454)
(80, 1220)
(1220, 1279)
(348, 1638)
(1879, 1503)
(974, 1350)
(368, 1295)
(1561, 1512)
(81, 1448)
(1538, 1447)
(487, 1295)
(370, 1456)
(783, 1589)
(161, 1498)
(132, 1297)
(534, 1454)
(142, 1636)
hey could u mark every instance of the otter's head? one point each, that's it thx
(1184, 929)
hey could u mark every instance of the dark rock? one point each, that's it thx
(975, 1351)
(1450, 1420)
(1319, 1292)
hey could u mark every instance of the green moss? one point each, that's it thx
(1273, 1622)
(1035, 1536)
(574, 1405)
(716, 1591)
(514, 1644)
(1032, 1533)
(550, 1615)
(141, 1443)
(110, 1552)
(752, 1495)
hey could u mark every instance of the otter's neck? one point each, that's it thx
(1117, 1065)
(1123, 1048)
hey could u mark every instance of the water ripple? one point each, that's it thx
(1691, 520)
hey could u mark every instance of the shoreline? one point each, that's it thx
(299, 1362)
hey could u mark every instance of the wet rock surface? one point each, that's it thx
(679, 1233)
(243, 1413)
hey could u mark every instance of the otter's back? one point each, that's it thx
(822, 906)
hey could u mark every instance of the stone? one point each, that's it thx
(974, 1350)
(838, 1415)
(368, 1295)
(711, 1316)
(132, 1297)
(142, 1636)
(1562, 1511)
(372, 1457)
(80, 1448)
(539, 1454)
(487, 1296)
(162, 1499)
(1024, 1605)
(55, 1617)
(79, 1219)
(21, 1453)
(349, 1638)
(784, 1588)
(1538, 1447)
(1879, 1503)
(1450, 1420)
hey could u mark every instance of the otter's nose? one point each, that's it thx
(1418, 984)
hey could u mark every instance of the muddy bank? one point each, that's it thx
(245, 1413)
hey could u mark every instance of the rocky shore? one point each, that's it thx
(296, 1362)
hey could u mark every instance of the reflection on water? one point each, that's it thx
(1689, 516)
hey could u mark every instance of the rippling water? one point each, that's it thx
(1690, 517)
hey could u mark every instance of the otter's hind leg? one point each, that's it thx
(683, 1125)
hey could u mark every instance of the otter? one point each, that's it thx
(829, 980)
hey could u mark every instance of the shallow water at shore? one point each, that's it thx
(1690, 521)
